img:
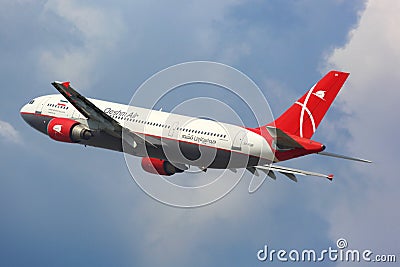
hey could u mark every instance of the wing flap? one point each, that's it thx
(290, 172)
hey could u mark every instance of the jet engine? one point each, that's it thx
(67, 130)
(159, 166)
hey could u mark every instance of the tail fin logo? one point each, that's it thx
(304, 116)
(320, 94)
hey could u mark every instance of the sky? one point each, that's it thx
(66, 205)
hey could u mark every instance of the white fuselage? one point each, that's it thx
(178, 138)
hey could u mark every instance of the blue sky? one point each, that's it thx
(66, 205)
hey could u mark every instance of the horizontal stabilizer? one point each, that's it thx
(343, 157)
(282, 140)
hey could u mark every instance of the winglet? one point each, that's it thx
(66, 84)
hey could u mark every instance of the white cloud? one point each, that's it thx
(178, 233)
(367, 213)
(8, 132)
(98, 30)
(234, 227)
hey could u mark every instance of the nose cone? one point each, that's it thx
(24, 113)
(22, 110)
(26, 116)
(35, 120)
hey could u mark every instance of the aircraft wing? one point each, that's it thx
(92, 112)
(290, 172)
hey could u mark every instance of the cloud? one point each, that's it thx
(367, 213)
(83, 41)
(8, 133)
(91, 32)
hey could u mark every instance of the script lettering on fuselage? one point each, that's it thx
(120, 113)
(199, 139)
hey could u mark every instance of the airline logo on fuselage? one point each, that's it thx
(57, 128)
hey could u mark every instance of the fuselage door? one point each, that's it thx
(173, 129)
(40, 104)
(238, 140)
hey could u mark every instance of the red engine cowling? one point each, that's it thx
(67, 130)
(159, 166)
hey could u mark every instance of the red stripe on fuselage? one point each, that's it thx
(37, 114)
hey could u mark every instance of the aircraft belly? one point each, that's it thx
(171, 149)
(103, 140)
(201, 156)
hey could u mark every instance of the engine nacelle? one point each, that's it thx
(67, 130)
(159, 166)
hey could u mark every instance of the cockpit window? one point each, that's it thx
(31, 101)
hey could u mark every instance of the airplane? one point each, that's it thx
(171, 143)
